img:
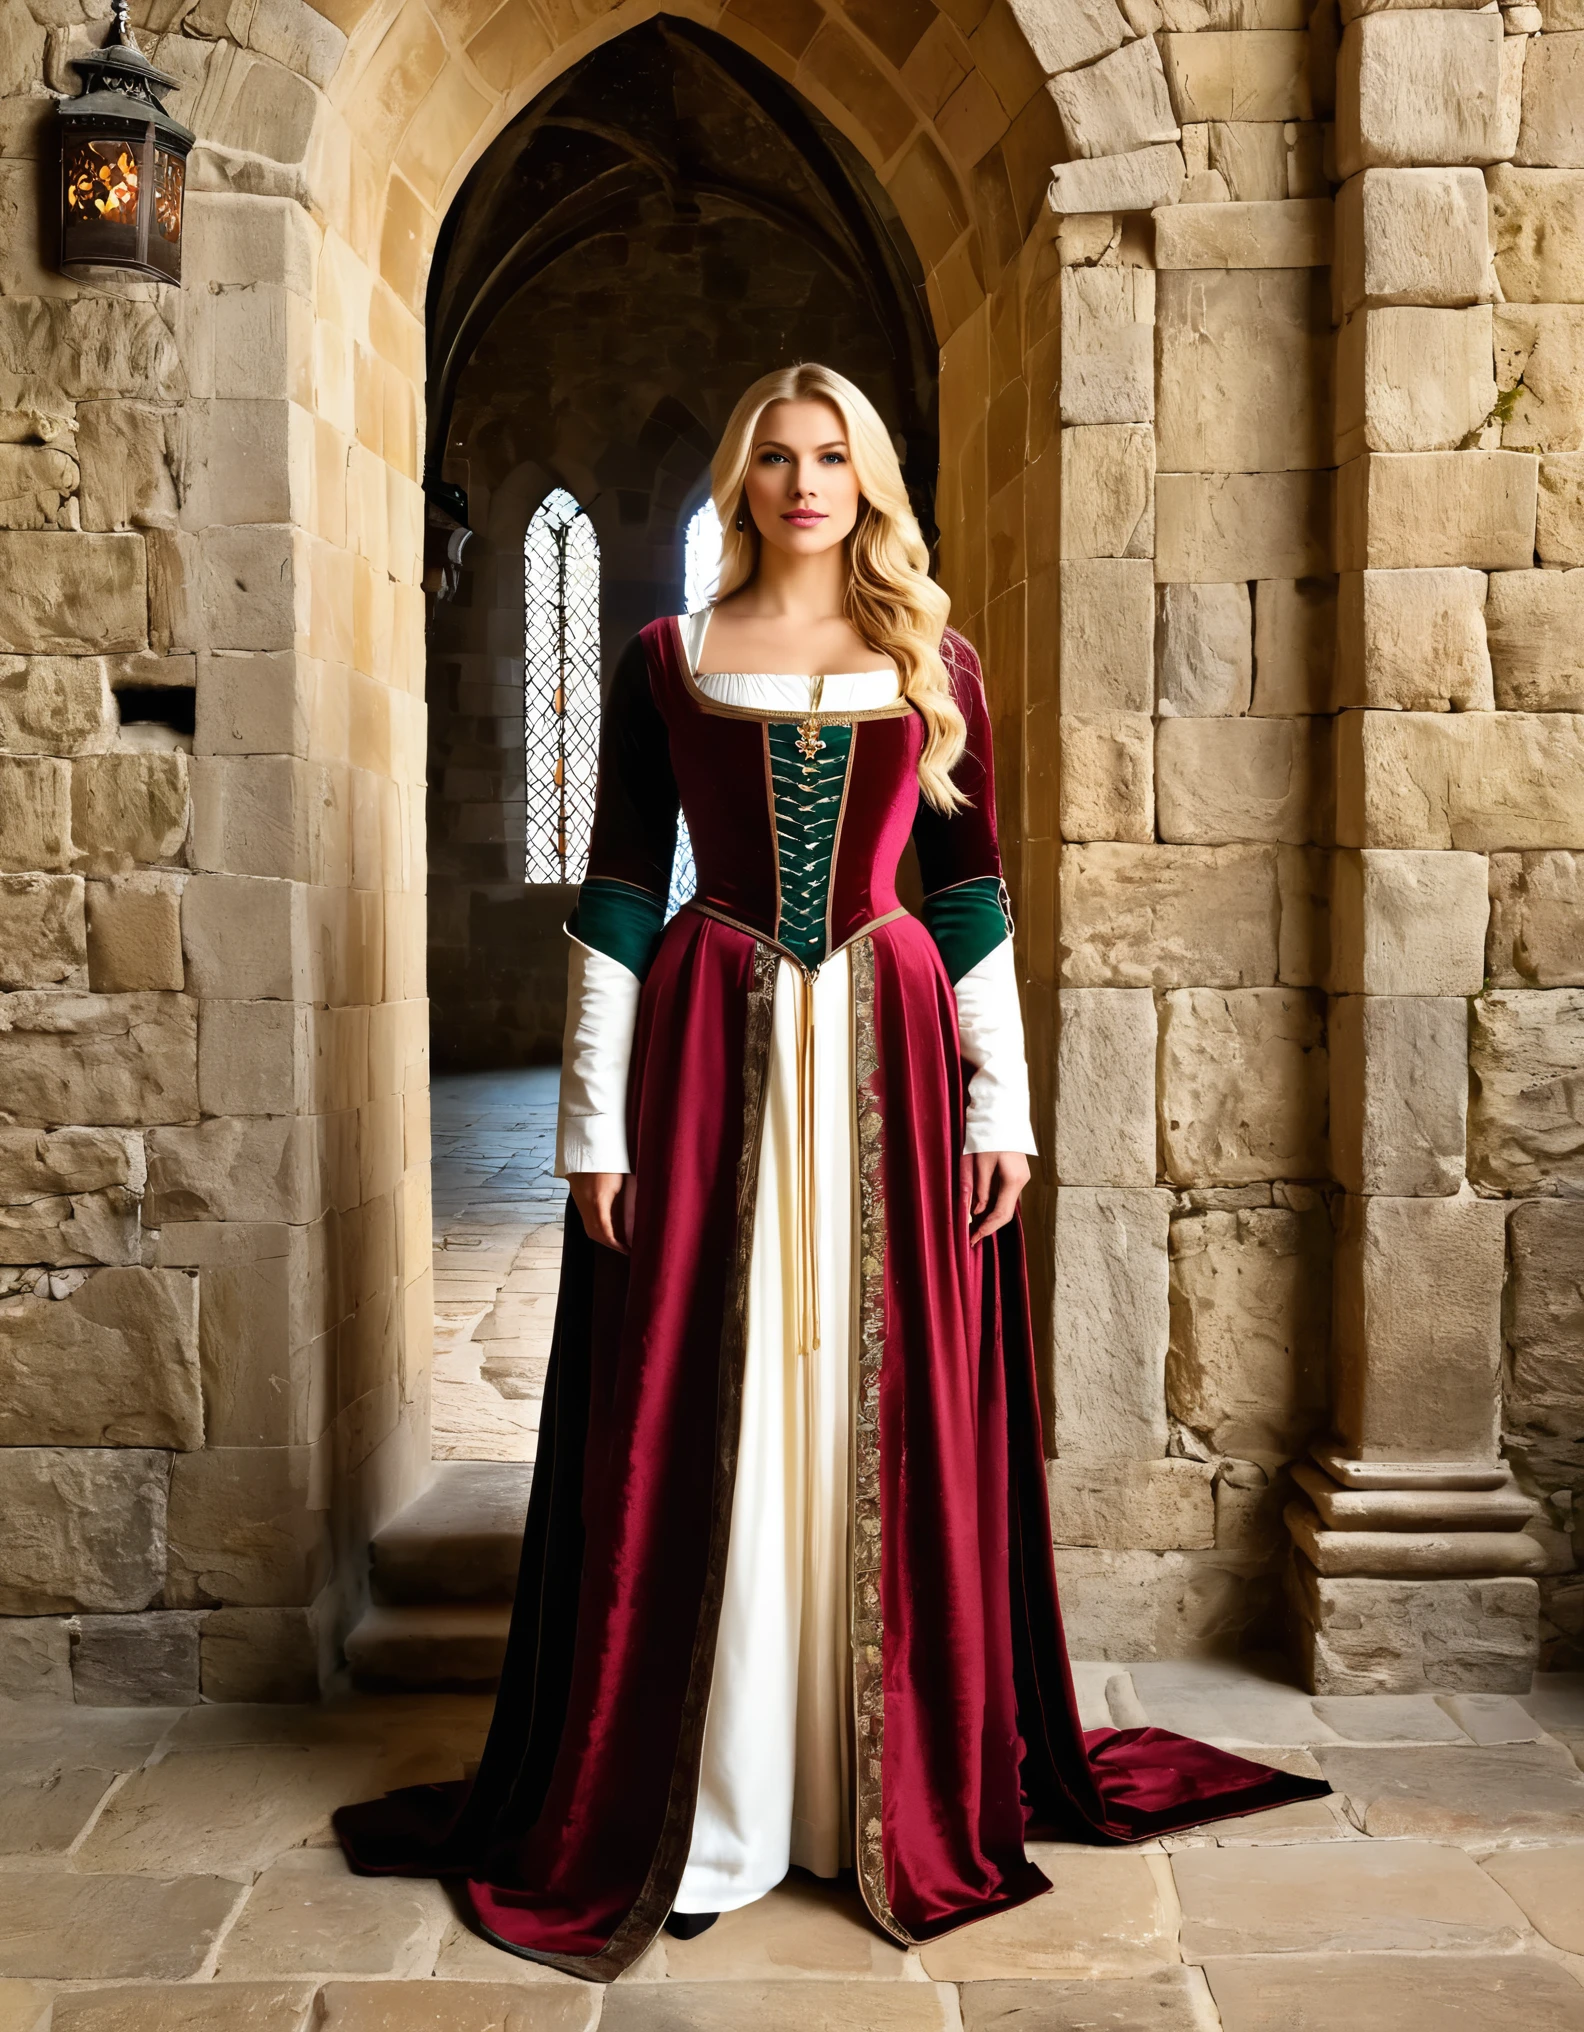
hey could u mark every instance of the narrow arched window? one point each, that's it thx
(561, 686)
(701, 559)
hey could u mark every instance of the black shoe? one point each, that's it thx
(689, 1925)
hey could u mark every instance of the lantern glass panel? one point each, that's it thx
(102, 183)
(170, 177)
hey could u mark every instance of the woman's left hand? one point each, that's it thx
(991, 1180)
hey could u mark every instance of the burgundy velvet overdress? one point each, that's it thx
(574, 1834)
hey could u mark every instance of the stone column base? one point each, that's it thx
(1413, 1636)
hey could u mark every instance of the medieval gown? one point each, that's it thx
(787, 1591)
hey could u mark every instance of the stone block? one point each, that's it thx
(248, 1527)
(97, 1059)
(1216, 527)
(1399, 1093)
(1243, 1085)
(1408, 1993)
(133, 458)
(256, 1058)
(1460, 1794)
(1116, 105)
(84, 1528)
(1135, 182)
(1413, 641)
(1105, 1084)
(1168, 1605)
(1165, 2002)
(1204, 650)
(262, 1655)
(1547, 1884)
(1243, 361)
(1168, 917)
(35, 1663)
(134, 934)
(1417, 1347)
(1534, 622)
(59, 1925)
(129, 809)
(247, 936)
(1539, 361)
(263, 1168)
(190, 2007)
(1223, 780)
(35, 813)
(1107, 343)
(1537, 233)
(1417, 88)
(1559, 510)
(307, 1911)
(1132, 1506)
(1411, 379)
(1295, 631)
(1525, 1128)
(136, 1661)
(34, 482)
(72, 593)
(114, 1363)
(1108, 473)
(1411, 1636)
(1536, 937)
(274, 816)
(1295, 233)
(54, 705)
(1111, 1323)
(1241, 74)
(1414, 1897)
(1062, 34)
(43, 939)
(1552, 133)
(1479, 781)
(35, 1164)
(1544, 1334)
(228, 588)
(85, 1228)
(1412, 236)
(1437, 508)
(1106, 634)
(1107, 776)
(1408, 923)
(1250, 1318)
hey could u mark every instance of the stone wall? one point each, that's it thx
(1260, 494)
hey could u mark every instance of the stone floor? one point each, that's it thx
(497, 1254)
(172, 1871)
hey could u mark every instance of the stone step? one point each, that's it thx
(458, 1542)
(451, 1647)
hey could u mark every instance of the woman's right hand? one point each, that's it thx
(599, 1197)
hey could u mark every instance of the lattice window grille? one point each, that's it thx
(701, 561)
(561, 686)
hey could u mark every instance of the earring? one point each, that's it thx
(742, 520)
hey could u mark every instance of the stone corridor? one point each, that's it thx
(171, 1870)
(497, 1255)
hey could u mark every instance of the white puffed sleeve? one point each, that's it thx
(596, 1051)
(990, 1027)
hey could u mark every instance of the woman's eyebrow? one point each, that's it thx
(775, 444)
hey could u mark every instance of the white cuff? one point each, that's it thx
(990, 1030)
(596, 1052)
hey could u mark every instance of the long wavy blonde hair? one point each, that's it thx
(892, 602)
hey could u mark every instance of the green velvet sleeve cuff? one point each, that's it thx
(620, 921)
(968, 921)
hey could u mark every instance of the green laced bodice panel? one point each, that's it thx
(808, 799)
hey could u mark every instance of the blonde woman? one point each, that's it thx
(787, 1596)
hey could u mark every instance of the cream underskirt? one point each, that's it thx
(773, 1790)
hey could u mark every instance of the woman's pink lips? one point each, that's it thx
(804, 517)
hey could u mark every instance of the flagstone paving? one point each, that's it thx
(173, 1870)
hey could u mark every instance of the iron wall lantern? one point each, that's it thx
(123, 164)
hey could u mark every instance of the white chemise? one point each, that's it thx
(774, 1788)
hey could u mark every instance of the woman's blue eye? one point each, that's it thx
(771, 458)
(833, 458)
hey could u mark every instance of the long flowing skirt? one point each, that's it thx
(607, 1792)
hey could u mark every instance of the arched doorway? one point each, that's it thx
(663, 224)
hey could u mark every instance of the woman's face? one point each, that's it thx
(801, 488)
